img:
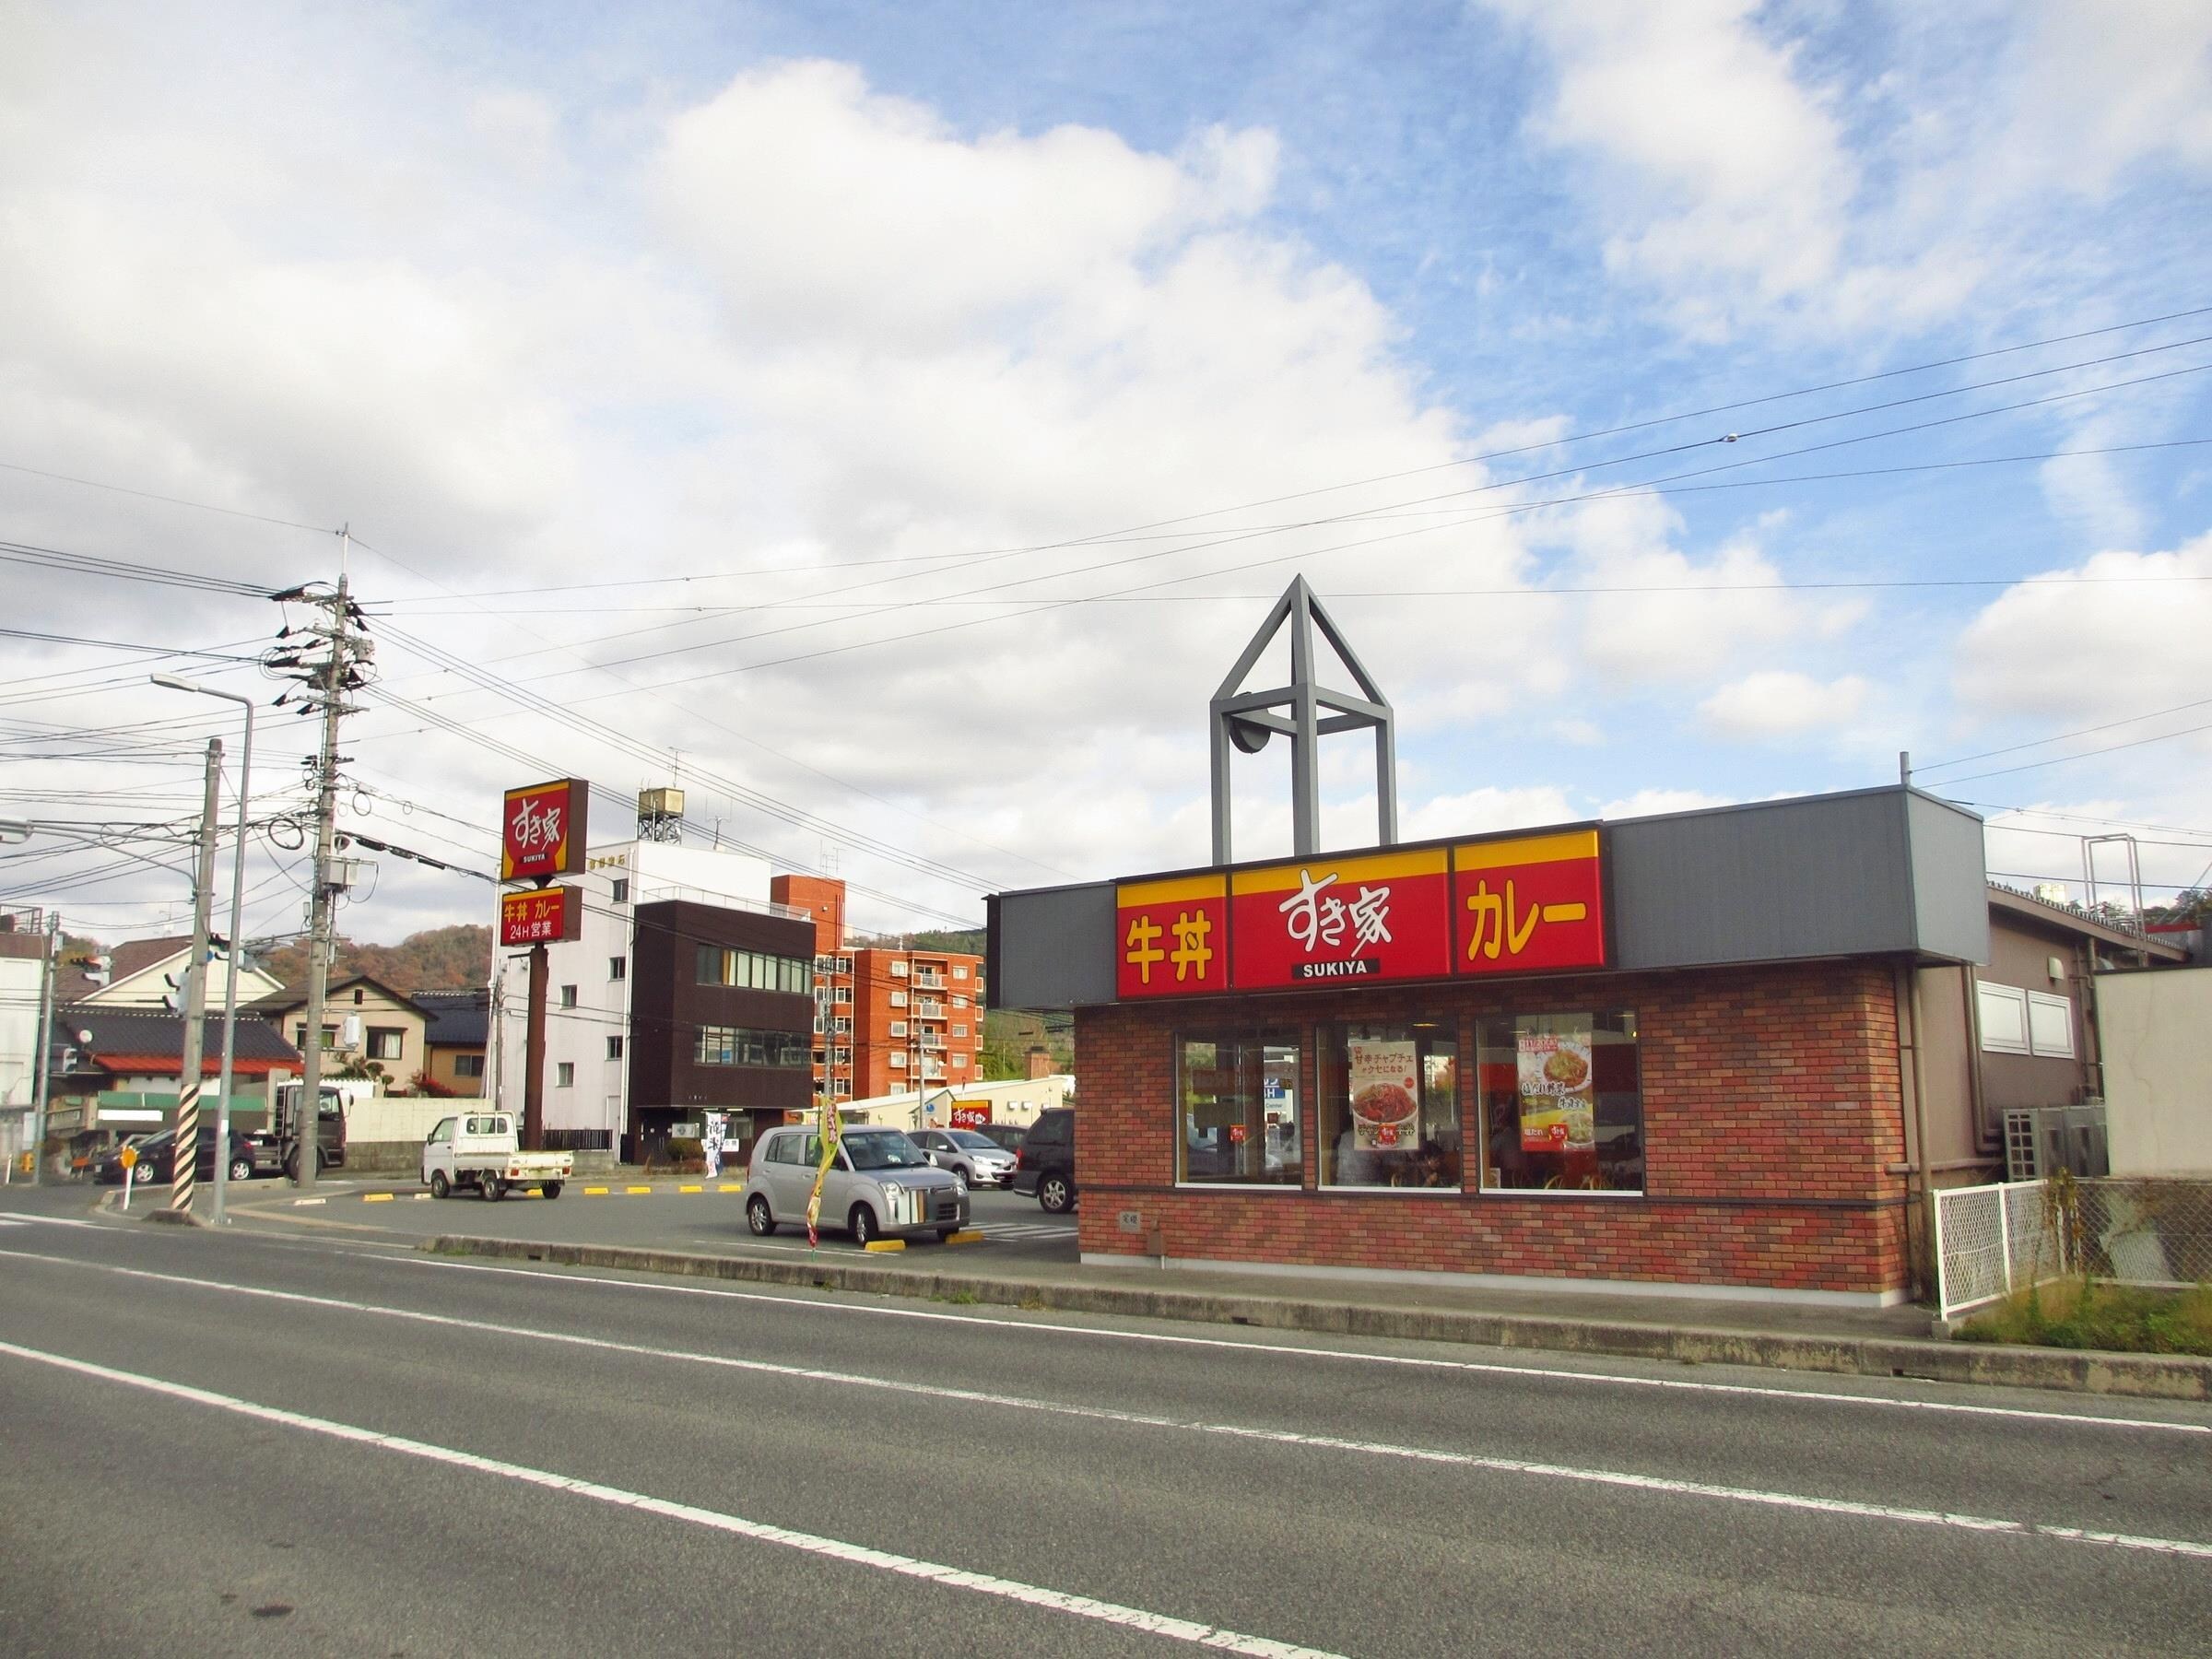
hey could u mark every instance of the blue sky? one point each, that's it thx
(732, 303)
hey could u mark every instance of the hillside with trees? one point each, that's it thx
(441, 959)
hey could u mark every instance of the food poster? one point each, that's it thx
(1558, 1109)
(1386, 1095)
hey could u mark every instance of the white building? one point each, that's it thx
(590, 1067)
(22, 984)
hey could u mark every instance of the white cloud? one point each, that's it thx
(1781, 703)
(2132, 635)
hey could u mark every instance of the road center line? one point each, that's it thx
(1467, 1460)
(1422, 1362)
(859, 1554)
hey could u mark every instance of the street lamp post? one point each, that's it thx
(238, 889)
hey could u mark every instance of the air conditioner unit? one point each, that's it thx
(2040, 1140)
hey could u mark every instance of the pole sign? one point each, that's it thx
(1506, 905)
(542, 831)
(550, 915)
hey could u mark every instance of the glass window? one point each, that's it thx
(617, 968)
(622, 890)
(468, 1065)
(1237, 1105)
(1562, 1102)
(386, 1043)
(710, 966)
(898, 1061)
(568, 996)
(564, 1074)
(1389, 1105)
(614, 1048)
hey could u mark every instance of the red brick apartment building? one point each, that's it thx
(885, 1018)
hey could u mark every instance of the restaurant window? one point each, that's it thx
(1389, 1105)
(1237, 1109)
(1562, 1102)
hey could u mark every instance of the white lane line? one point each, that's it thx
(16, 1219)
(859, 1554)
(1467, 1460)
(1418, 1362)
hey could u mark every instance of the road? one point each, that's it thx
(250, 1444)
(712, 1221)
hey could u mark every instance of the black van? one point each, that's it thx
(1046, 1163)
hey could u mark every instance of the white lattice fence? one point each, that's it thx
(1991, 1240)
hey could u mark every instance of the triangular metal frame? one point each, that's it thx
(1243, 720)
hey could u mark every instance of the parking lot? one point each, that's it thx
(694, 1216)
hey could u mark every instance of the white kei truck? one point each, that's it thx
(481, 1149)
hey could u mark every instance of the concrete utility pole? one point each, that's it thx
(328, 681)
(41, 1051)
(226, 1080)
(183, 1161)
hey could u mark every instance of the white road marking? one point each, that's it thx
(17, 1219)
(1293, 1350)
(859, 1554)
(1468, 1460)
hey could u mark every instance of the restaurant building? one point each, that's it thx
(1674, 1053)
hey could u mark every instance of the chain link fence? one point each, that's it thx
(1991, 1241)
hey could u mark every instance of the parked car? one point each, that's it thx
(1008, 1135)
(482, 1150)
(974, 1157)
(1046, 1163)
(881, 1186)
(156, 1158)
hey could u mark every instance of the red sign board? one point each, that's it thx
(1171, 936)
(1511, 904)
(541, 916)
(1366, 918)
(971, 1117)
(542, 831)
(1531, 903)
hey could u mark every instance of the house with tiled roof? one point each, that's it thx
(456, 1037)
(140, 971)
(121, 1068)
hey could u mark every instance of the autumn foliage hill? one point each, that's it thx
(442, 958)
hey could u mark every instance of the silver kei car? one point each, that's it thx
(881, 1186)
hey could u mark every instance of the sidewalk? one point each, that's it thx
(1887, 1342)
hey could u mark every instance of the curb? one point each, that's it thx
(2139, 1376)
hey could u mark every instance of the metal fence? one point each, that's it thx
(1991, 1241)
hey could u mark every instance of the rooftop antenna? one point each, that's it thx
(1244, 720)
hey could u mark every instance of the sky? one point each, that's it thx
(890, 424)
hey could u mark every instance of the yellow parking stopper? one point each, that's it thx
(885, 1244)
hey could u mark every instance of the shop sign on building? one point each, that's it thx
(971, 1116)
(1174, 936)
(1508, 904)
(542, 831)
(541, 916)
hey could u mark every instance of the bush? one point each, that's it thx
(682, 1149)
(2074, 1313)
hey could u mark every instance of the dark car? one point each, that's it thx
(1009, 1136)
(1046, 1163)
(156, 1159)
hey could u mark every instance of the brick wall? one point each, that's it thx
(1772, 1110)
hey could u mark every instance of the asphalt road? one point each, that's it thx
(251, 1443)
(1013, 1228)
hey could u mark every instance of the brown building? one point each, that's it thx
(1726, 1052)
(363, 1019)
(720, 1021)
(455, 1039)
(885, 1017)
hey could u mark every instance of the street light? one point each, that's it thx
(238, 889)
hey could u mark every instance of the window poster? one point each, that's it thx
(1386, 1095)
(1558, 1109)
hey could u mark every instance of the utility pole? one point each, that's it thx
(328, 681)
(183, 1161)
(41, 1050)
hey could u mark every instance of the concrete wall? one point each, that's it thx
(2158, 1070)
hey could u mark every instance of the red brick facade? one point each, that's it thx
(1772, 1117)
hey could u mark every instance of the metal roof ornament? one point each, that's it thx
(1246, 720)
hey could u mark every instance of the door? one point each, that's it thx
(437, 1150)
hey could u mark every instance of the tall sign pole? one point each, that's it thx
(184, 1163)
(543, 829)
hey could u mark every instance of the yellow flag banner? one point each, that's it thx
(821, 1172)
